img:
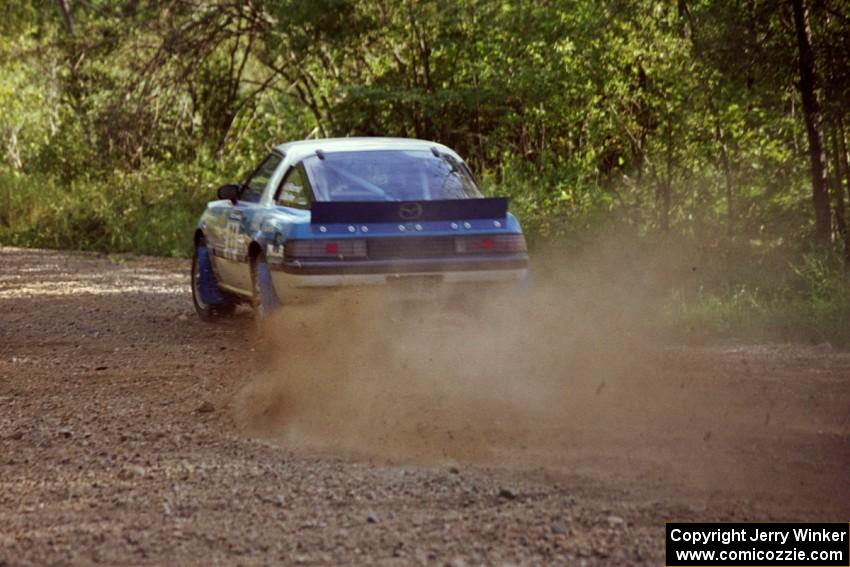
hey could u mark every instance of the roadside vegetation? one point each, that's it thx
(803, 300)
(711, 126)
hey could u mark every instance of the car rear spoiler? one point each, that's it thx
(329, 212)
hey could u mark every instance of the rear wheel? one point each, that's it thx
(204, 285)
(264, 299)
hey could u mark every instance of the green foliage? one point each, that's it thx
(150, 211)
(808, 302)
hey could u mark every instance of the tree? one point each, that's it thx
(812, 115)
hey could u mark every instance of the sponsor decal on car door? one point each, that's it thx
(232, 238)
(234, 265)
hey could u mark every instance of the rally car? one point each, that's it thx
(322, 214)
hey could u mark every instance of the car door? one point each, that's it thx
(232, 263)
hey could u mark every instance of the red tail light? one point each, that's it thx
(496, 244)
(326, 249)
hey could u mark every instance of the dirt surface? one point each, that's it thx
(132, 433)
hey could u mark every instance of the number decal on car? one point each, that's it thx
(232, 239)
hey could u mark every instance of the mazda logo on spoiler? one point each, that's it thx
(410, 211)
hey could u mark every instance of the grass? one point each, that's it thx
(809, 302)
(139, 213)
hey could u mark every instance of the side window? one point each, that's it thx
(294, 191)
(255, 186)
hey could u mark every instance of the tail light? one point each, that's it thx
(490, 244)
(326, 249)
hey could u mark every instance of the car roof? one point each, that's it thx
(296, 151)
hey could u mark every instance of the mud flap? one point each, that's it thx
(268, 297)
(207, 286)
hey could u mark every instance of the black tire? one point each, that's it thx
(206, 312)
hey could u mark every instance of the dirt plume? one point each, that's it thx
(457, 376)
(569, 377)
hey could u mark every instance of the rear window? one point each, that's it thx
(389, 175)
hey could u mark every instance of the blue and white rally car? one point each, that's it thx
(323, 214)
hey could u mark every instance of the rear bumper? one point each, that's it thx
(443, 266)
(292, 278)
(283, 281)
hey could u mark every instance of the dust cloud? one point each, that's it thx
(474, 375)
(571, 377)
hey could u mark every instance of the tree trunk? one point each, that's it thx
(812, 115)
(838, 194)
(66, 15)
(727, 173)
(666, 186)
(685, 12)
(845, 163)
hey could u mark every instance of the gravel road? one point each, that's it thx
(120, 443)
